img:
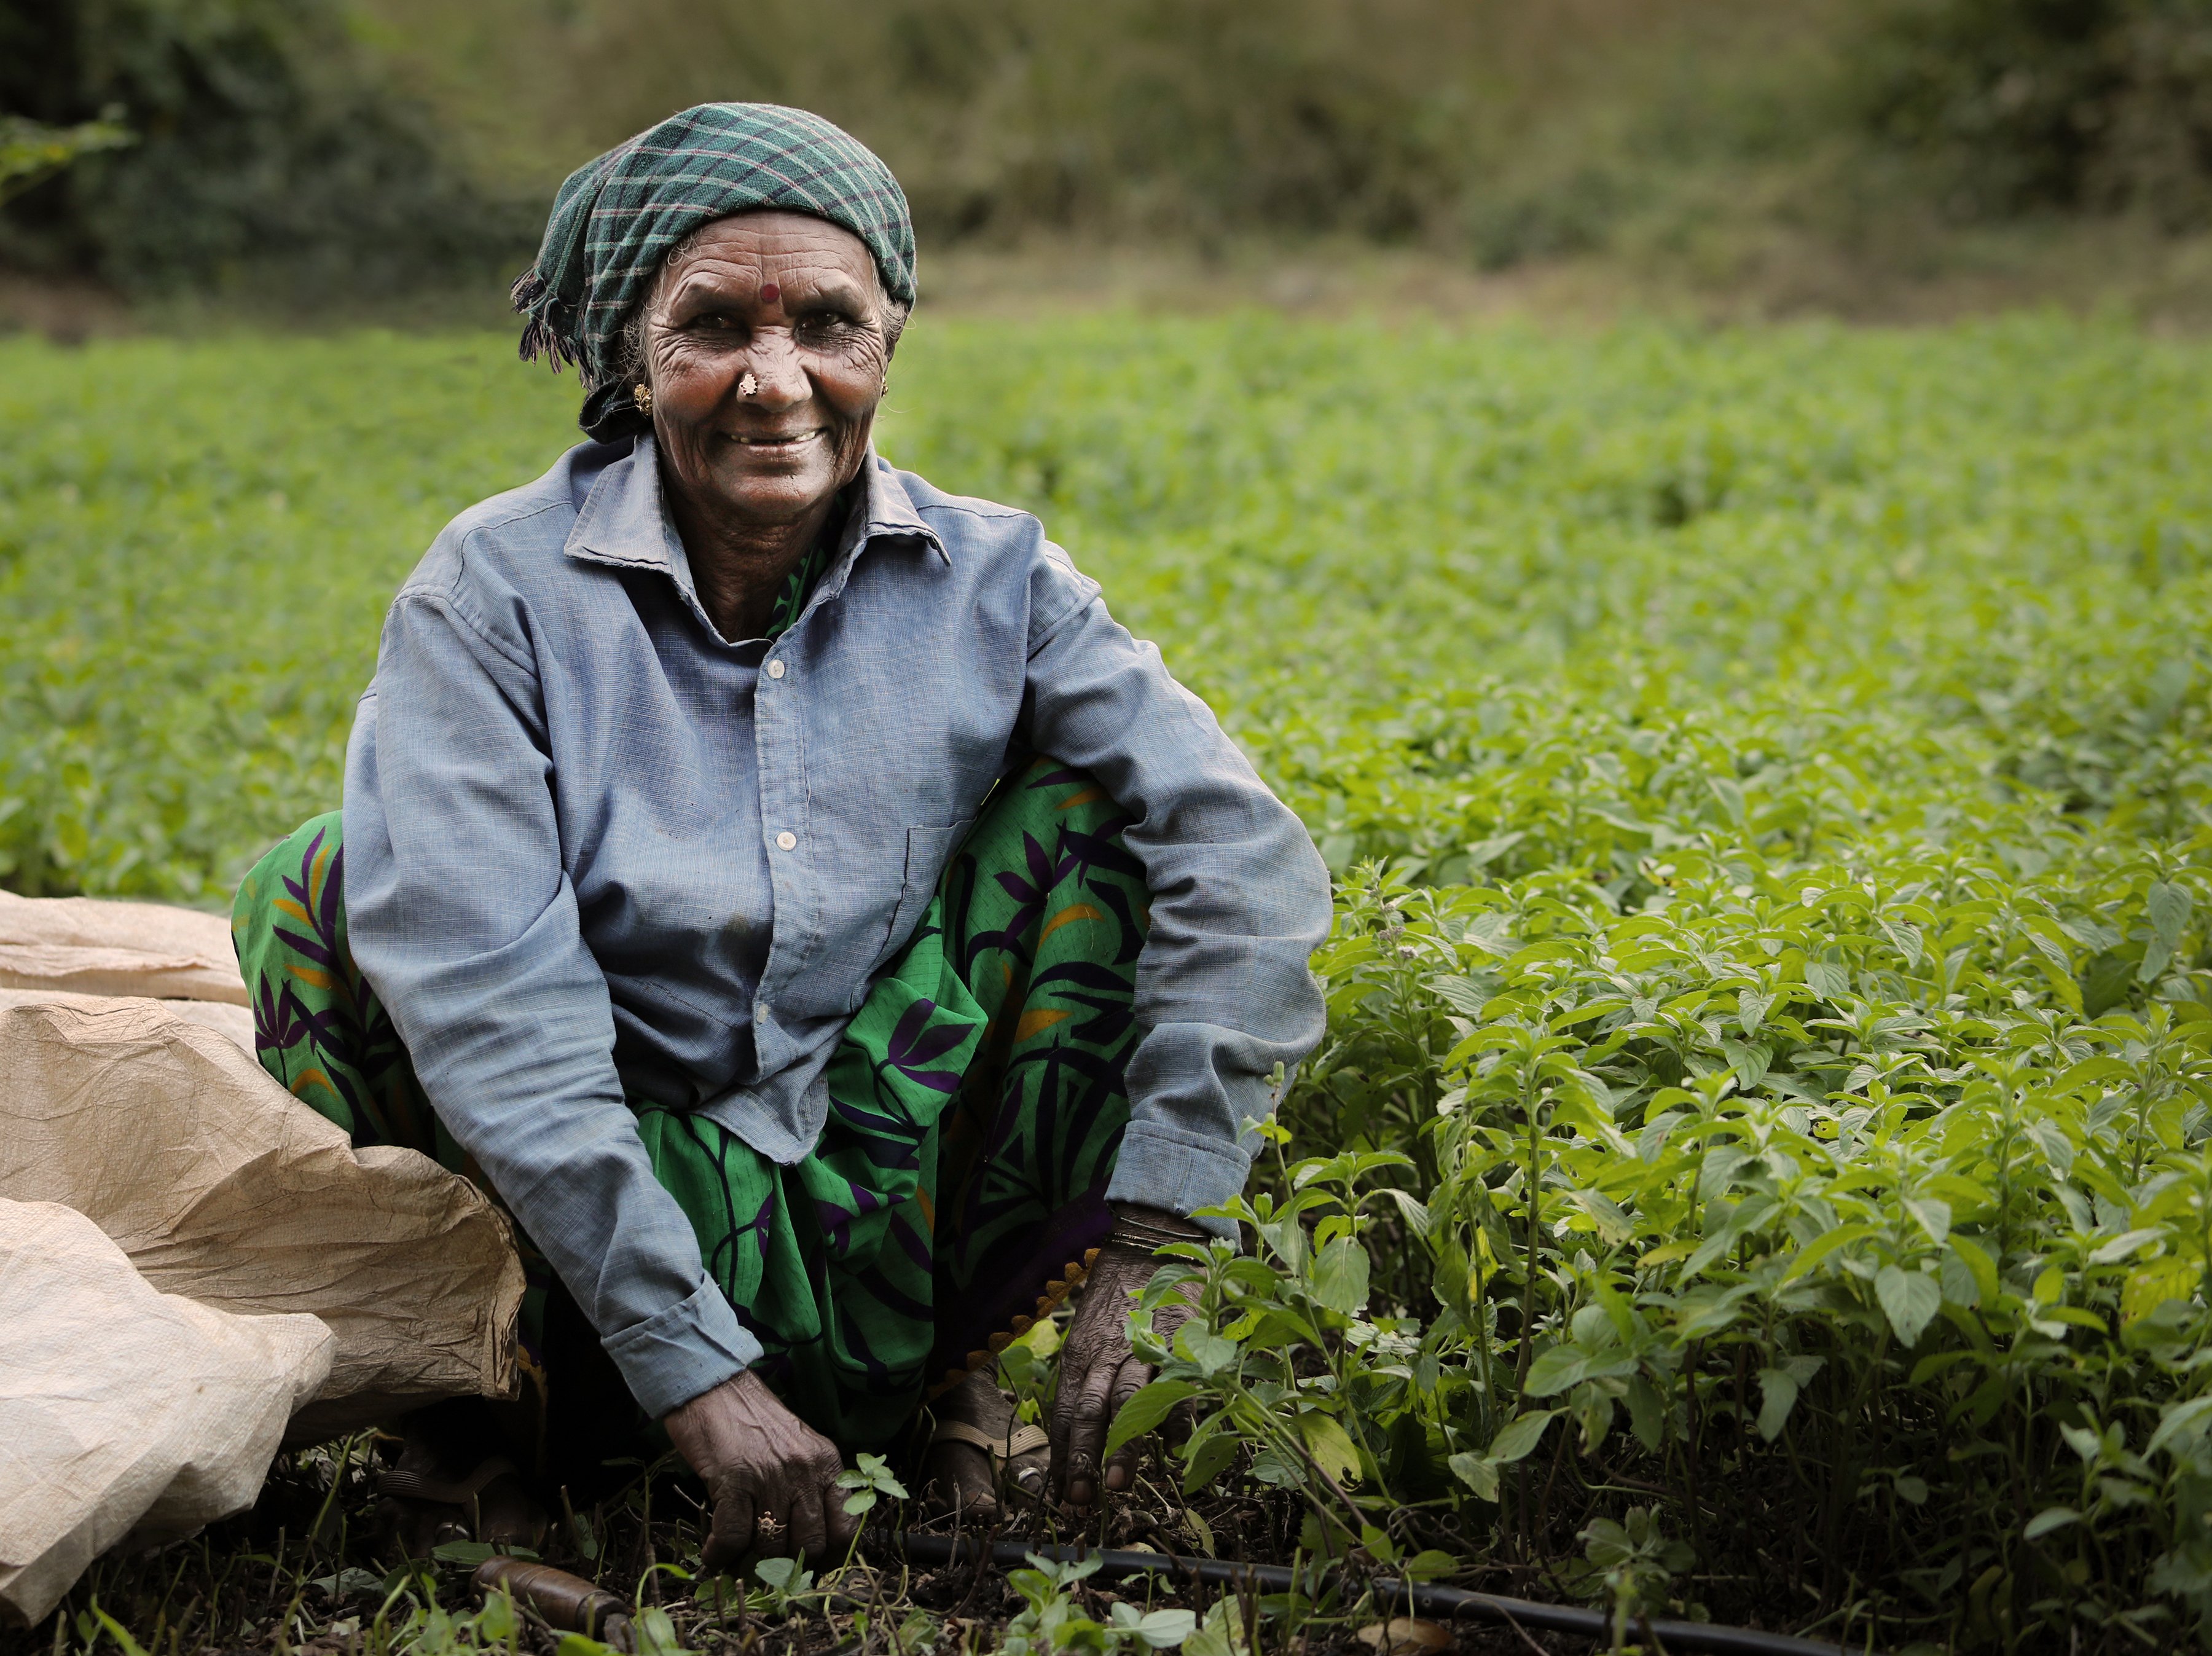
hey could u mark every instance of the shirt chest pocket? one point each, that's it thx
(927, 852)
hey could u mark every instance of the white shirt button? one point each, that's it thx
(775, 669)
(760, 1012)
(786, 841)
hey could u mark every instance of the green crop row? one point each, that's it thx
(1758, 1164)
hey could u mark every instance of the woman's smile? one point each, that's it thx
(778, 440)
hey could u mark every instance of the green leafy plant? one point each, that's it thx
(1052, 1621)
(868, 1479)
(786, 1584)
(1631, 1565)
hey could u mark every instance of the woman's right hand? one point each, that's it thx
(772, 1477)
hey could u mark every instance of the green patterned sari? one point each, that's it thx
(977, 1102)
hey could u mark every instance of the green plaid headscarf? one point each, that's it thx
(617, 218)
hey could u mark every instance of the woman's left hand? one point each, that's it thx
(1098, 1372)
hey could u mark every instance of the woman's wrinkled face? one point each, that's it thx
(794, 303)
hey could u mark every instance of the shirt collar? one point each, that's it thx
(625, 522)
(890, 510)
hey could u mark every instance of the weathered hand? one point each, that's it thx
(772, 1477)
(1097, 1372)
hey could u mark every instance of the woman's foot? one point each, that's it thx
(961, 1467)
(431, 1495)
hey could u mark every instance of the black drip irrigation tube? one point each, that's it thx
(936, 1552)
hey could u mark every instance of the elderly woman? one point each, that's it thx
(830, 935)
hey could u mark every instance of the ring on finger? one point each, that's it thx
(768, 1525)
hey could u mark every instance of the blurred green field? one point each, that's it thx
(1404, 562)
(1767, 1079)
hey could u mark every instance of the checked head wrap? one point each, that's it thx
(617, 218)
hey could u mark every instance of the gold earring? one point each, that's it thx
(642, 396)
(885, 389)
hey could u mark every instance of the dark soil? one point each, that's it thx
(310, 1568)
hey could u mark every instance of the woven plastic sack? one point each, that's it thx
(234, 1023)
(222, 1187)
(90, 947)
(124, 1414)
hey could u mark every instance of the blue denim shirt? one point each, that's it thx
(596, 851)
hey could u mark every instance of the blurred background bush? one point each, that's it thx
(269, 144)
(380, 144)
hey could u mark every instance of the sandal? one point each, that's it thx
(976, 1415)
(1023, 1440)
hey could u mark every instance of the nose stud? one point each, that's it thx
(748, 385)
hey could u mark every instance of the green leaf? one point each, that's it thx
(496, 1620)
(472, 1553)
(2180, 1423)
(1163, 1629)
(1461, 994)
(1208, 1351)
(785, 1574)
(2150, 1286)
(1339, 1275)
(1485, 852)
(1521, 1435)
(1379, 1546)
(1417, 1218)
(1826, 978)
(2129, 1242)
(1934, 1216)
(2169, 906)
(1647, 1413)
(117, 1631)
(1977, 1259)
(1148, 1408)
(581, 1537)
(1208, 1457)
(1957, 1283)
(1777, 1394)
(652, 1633)
(1826, 1244)
(1555, 1370)
(2050, 1518)
(1478, 1472)
(1729, 792)
(1330, 1446)
(1909, 1300)
(1212, 1637)
(2048, 1137)
(1431, 1565)
(1613, 1223)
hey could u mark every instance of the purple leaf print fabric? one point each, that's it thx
(977, 1102)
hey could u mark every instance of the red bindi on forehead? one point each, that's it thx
(770, 293)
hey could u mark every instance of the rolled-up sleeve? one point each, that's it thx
(463, 918)
(1240, 898)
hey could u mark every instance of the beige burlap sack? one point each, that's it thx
(123, 1412)
(222, 1187)
(234, 1023)
(90, 946)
